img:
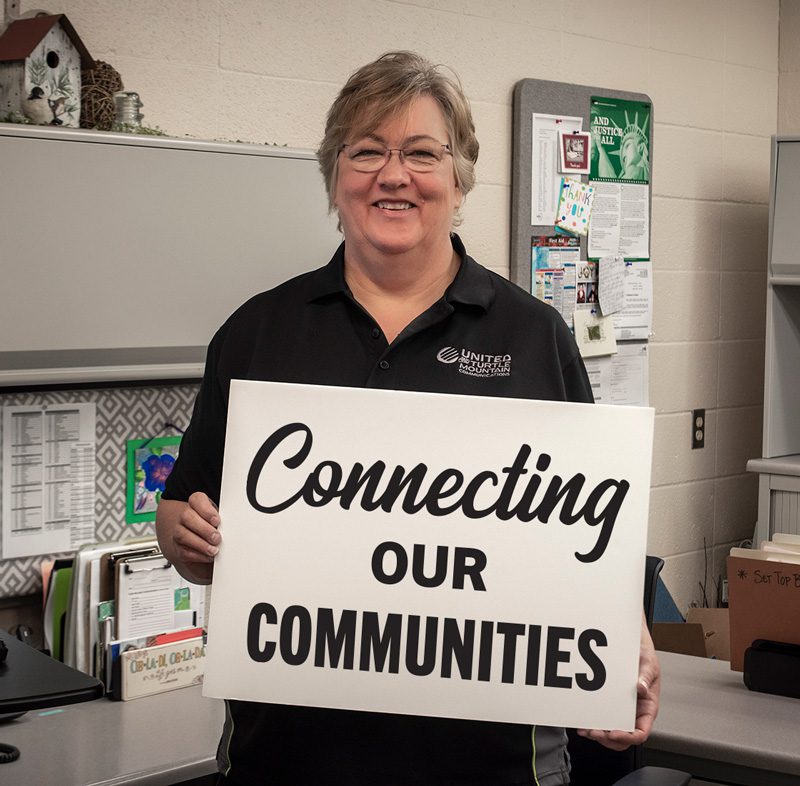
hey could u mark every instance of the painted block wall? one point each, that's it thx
(267, 70)
(789, 69)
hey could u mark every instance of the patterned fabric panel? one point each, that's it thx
(122, 414)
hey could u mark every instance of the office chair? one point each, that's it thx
(594, 765)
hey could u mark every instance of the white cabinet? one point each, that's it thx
(120, 255)
(779, 466)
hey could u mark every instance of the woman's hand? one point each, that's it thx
(188, 535)
(648, 691)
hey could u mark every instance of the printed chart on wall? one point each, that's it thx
(546, 174)
(48, 478)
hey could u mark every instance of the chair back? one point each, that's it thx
(593, 764)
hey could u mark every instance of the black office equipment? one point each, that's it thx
(595, 765)
(773, 667)
(31, 680)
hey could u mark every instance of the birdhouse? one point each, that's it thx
(40, 70)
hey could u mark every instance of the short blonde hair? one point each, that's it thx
(385, 87)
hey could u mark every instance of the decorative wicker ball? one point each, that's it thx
(98, 86)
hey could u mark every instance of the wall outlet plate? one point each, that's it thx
(698, 428)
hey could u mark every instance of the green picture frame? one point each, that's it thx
(149, 462)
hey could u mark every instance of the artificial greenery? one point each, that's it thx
(16, 117)
(132, 128)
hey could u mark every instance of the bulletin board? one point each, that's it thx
(630, 116)
(554, 98)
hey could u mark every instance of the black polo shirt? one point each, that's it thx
(486, 337)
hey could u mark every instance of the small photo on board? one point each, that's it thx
(574, 149)
(150, 462)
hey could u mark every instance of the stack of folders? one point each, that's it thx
(132, 620)
(764, 595)
(56, 601)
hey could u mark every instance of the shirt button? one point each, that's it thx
(384, 364)
(375, 332)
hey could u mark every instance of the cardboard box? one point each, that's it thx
(716, 631)
(685, 638)
(705, 634)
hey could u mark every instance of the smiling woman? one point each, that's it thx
(398, 158)
(396, 217)
(401, 305)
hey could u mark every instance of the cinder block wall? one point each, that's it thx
(789, 68)
(266, 71)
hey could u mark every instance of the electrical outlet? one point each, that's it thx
(698, 428)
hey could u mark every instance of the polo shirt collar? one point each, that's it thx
(471, 286)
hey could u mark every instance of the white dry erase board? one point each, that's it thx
(428, 554)
(121, 254)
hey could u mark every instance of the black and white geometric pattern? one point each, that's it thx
(122, 414)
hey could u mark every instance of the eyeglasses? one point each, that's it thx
(420, 156)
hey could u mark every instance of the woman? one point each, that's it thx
(394, 308)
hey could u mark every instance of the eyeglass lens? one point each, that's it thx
(367, 156)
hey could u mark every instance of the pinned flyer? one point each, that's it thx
(574, 206)
(574, 148)
(611, 284)
(594, 333)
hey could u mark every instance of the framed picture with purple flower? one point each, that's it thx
(149, 463)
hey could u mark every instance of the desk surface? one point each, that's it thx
(710, 724)
(155, 741)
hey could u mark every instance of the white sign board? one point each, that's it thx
(429, 554)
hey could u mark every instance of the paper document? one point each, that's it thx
(611, 284)
(553, 260)
(621, 379)
(545, 176)
(152, 597)
(144, 596)
(604, 231)
(48, 478)
(636, 318)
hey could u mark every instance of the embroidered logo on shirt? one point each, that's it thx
(476, 364)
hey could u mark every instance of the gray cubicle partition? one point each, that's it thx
(122, 254)
(553, 98)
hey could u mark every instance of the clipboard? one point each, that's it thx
(108, 581)
(151, 597)
(144, 593)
